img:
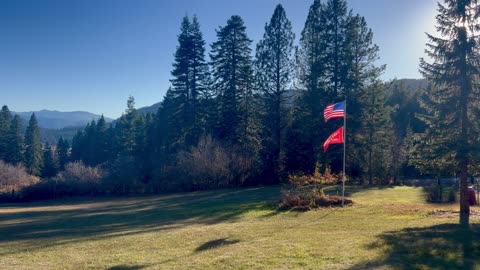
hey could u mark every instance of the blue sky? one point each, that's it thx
(90, 55)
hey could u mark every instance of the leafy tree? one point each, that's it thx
(452, 104)
(33, 148)
(274, 65)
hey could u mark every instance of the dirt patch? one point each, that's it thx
(451, 214)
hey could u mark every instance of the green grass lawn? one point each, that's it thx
(387, 228)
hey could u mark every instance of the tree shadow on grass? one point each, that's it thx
(41, 225)
(127, 267)
(446, 246)
(217, 243)
(352, 189)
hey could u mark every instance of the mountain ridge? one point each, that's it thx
(53, 119)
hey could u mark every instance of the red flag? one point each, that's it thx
(335, 138)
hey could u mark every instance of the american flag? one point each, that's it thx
(334, 111)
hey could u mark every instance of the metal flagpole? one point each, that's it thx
(344, 147)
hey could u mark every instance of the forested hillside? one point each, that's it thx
(235, 116)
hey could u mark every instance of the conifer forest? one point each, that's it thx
(239, 114)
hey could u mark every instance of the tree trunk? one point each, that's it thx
(464, 205)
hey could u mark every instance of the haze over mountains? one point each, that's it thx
(58, 120)
(55, 124)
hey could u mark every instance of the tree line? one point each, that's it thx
(243, 117)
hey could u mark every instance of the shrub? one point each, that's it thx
(329, 201)
(452, 197)
(13, 179)
(79, 179)
(433, 193)
(76, 180)
(305, 192)
(305, 202)
(211, 165)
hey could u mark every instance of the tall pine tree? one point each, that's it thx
(15, 143)
(5, 126)
(304, 135)
(451, 139)
(50, 162)
(364, 94)
(232, 72)
(62, 153)
(336, 19)
(33, 148)
(374, 134)
(190, 83)
(274, 65)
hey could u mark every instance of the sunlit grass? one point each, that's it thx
(233, 229)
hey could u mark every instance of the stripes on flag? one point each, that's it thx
(336, 110)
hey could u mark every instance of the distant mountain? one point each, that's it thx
(52, 135)
(411, 84)
(59, 120)
(150, 109)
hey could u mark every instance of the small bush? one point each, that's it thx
(81, 179)
(452, 197)
(305, 192)
(13, 179)
(291, 201)
(305, 202)
(433, 193)
(76, 180)
(331, 201)
(436, 193)
(212, 165)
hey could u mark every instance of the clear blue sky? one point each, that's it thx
(91, 55)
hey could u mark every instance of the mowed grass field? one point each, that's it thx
(387, 228)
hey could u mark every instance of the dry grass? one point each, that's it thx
(388, 228)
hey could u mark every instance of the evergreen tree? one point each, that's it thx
(15, 142)
(77, 146)
(233, 80)
(89, 144)
(336, 19)
(360, 81)
(451, 140)
(126, 130)
(102, 142)
(375, 133)
(5, 127)
(50, 165)
(129, 136)
(304, 134)
(62, 153)
(274, 65)
(189, 83)
(33, 148)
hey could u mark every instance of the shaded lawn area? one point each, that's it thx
(387, 228)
